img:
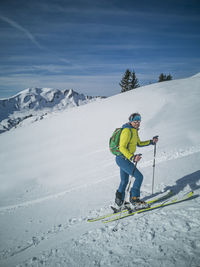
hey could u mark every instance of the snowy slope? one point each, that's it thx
(58, 172)
(35, 103)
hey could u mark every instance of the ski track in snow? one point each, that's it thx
(42, 237)
(162, 158)
(75, 233)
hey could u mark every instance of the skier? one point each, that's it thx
(129, 139)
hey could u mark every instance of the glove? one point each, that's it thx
(154, 140)
(136, 158)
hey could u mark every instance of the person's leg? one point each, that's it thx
(129, 168)
(123, 184)
(126, 169)
(135, 191)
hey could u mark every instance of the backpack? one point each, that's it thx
(114, 142)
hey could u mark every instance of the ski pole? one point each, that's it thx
(154, 164)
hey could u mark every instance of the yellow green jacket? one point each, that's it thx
(129, 139)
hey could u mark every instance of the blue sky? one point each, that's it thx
(87, 45)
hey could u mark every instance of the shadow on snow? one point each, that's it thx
(190, 180)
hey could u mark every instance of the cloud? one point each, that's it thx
(30, 36)
(15, 25)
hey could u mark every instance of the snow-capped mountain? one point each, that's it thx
(34, 103)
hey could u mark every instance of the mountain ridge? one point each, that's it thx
(37, 102)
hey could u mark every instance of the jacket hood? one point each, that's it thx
(127, 125)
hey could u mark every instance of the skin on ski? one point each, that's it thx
(174, 201)
(169, 194)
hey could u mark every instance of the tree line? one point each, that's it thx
(129, 80)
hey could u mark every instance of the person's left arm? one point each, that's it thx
(148, 142)
(144, 143)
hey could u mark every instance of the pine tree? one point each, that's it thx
(169, 77)
(164, 77)
(125, 82)
(134, 81)
(129, 81)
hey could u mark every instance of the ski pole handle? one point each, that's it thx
(137, 157)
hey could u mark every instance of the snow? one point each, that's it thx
(34, 104)
(58, 172)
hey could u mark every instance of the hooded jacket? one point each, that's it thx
(129, 139)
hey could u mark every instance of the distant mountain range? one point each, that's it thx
(33, 104)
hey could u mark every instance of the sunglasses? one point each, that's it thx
(136, 121)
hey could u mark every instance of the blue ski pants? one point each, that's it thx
(127, 168)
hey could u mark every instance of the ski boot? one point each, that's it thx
(118, 198)
(118, 203)
(138, 204)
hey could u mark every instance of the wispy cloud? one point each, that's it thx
(17, 26)
(31, 37)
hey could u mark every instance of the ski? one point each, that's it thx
(174, 201)
(158, 199)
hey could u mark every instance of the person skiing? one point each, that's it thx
(127, 161)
